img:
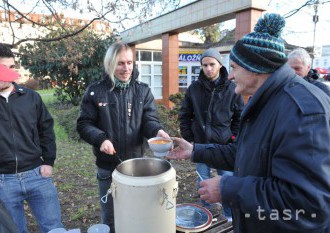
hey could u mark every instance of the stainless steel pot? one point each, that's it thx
(143, 167)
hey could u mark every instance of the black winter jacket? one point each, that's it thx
(210, 114)
(312, 77)
(105, 115)
(27, 138)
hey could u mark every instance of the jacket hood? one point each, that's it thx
(223, 79)
(277, 79)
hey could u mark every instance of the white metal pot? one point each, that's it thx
(144, 193)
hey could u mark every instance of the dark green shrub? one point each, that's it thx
(67, 118)
(169, 117)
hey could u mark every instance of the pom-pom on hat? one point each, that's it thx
(7, 75)
(262, 51)
(212, 53)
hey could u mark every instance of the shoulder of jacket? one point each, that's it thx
(141, 83)
(197, 84)
(305, 97)
(23, 90)
(97, 85)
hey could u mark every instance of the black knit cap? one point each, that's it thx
(262, 51)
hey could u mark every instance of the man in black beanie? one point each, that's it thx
(281, 156)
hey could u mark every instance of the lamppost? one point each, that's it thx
(315, 20)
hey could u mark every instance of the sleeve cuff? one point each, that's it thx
(100, 139)
(49, 162)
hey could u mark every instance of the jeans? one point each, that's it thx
(205, 173)
(40, 194)
(104, 178)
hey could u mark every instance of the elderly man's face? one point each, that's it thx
(247, 83)
(299, 67)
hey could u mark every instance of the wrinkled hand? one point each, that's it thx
(107, 148)
(46, 170)
(210, 190)
(162, 133)
(182, 149)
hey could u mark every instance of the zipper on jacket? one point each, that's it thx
(13, 133)
(208, 121)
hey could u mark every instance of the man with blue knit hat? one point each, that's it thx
(281, 156)
(210, 111)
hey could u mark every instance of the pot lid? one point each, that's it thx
(192, 218)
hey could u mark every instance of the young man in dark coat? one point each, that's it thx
(281, 156)
(28, 152)
(210, 111)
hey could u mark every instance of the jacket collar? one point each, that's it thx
(19, 89)
(223, 79)
(274, 82)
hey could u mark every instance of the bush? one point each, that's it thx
(67, 117)
(169, 117)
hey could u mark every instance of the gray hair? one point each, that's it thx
(111, 58)
(301, 54)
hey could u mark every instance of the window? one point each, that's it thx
(157, 56)
(145, 55)
(188, 73)
(150, 66)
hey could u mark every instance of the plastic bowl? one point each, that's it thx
(160, 146)
(99, 228)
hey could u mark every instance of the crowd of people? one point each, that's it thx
(276, 146)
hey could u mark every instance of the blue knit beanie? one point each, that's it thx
(262, 51)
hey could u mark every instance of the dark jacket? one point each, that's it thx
(312, 77)
(281, 159)
(210, 111)
(105, 115)
(27, 138)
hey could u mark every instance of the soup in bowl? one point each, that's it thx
(160, 146)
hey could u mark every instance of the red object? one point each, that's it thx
(7, 75)
(322, 70)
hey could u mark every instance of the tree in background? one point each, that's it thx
(62, 46)
(210, 34)
(71, 63)
(58, 14)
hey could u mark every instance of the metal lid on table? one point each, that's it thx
(192, 218)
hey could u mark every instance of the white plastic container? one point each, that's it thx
(144, 193)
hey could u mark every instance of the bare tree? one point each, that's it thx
(116, 13)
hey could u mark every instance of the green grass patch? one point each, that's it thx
(47, 96)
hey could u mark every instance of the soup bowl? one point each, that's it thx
(160, 146)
